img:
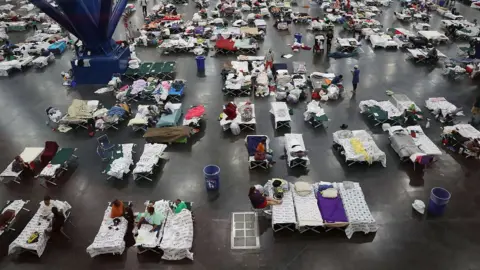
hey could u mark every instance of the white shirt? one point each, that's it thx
(143, 2)
(47, 210)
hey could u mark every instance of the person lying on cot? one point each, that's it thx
(261, 153)
(117, 209)
(6, 217)
(259, 201)
(19, 165)
(151, 217)
(337, 79)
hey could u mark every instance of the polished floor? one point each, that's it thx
(405, 240)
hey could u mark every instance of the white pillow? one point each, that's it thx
(303, 188)
(330, 193)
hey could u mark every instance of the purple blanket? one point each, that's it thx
(332, 209)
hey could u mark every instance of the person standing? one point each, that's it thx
(144, 7)
(475, 112)
(356, 78)
(329, 40)
(269, 59)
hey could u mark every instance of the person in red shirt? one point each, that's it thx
(259, 201)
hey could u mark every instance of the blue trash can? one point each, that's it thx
(439, 198)
(298, 37)
(200, 63)
(212, 177)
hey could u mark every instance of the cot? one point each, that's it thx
(142, 117)
(315, 115)
(421, 55)
(457, 141)
(43, 61)
(28, 155)
(425, 146)
(16, 206)
(79, 112)
(433, 36)
(309, 217)
(294, 144)
(281, 114)
(358, 146)
(38, 224)
(194, 115)
(283, 215)
(120, 161)
(347, 44)
(439, 106)
(150, 241)
(402, 102)
(151, 155)
(332, 209)
(163, 70)
(381, 111)
(141, 72)
(225, 46)
(359, 216)
(176, 90)
(299, 67)
(244, 123)
(252, 141)
(58, 47)
(178, 236)
(177, 46)
(110, 236)
(246, 46)
(172, 119)
(60, 163)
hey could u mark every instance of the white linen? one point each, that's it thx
(359, 216)
(240, 66)
(141, 117)
(147, 239)
(343, 138)
(421, 140)
(378, 41)
(250, 58)
(440, 105)
(178, 236)
(49, 170)
(307, 210)
(150, 157)
(433, 35)
(283, 213)
(39, 224)
(466, 130)
(386, 106)
(280, 112)
(121, 166)
(294, 142)
(109, 240)
(313, 109)
(348, 42)
(403, 102)
(16, 206)
(28, 155)
(225, 123)
(417, 53)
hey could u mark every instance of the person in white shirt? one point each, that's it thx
(46, 206)
(144, 7)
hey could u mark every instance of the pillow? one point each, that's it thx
(303, 188)
(330, 193)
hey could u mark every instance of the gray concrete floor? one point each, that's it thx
(404, 239)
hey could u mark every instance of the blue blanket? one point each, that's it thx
(252, 143)
(176, 91)
(115, 110)
(169, 120)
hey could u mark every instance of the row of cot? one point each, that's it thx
(305, 207)
(174, 239)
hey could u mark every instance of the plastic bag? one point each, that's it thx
(235, 128)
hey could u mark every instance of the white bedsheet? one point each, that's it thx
(466, 130)
(359, 216)
(38, 223)
(240, 66)
(372, 152)
(433, 35)
(226, 123)
(421, 140)
(28, 155)
(109, 240)
(280, 112)
(294, 141)
(387, 106)
(149, 239)
(49, 170)
(121, 166)
(16, 206)
(313, 108)
(178, 236)
(307, 210)
(403, 102)
(283, 213)
(150, 157)
(440, 105)
(141, 117)
(418, 53)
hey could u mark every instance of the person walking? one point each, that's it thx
(269, 59)
(356, 78)
(475, 112)
(144, 7)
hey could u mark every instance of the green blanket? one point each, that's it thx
(62, 155)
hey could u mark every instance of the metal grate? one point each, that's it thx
(244, 234)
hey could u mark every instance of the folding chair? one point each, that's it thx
(51, 149)
(104, 147)
(176, 94)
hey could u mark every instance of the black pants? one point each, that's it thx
(35, 27)
(354, 86)
(144, 8)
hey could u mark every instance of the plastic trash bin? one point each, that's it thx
(200, 63)
(298, 37)
(212, 177)
(439, 198)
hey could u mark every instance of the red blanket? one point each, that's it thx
(226, 44)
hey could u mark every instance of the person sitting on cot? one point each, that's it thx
(473, 146)
(337, 79)
(261, 153)
(152, 218)
(259, 201)
(117, 209)
(19, 165)
(179, 206)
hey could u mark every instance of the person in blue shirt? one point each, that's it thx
(356, 77)
(337, 79)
